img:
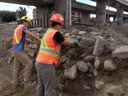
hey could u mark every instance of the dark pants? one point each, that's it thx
(46, 79)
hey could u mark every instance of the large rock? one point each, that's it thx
(74, 32)
(64, 58)
(96, 64)
(86, 87)
(99, 46)
(115, 91)
(99, 84)
(86, 44)
(94, 34)
(95, 72)
(121, 52)
(81, 32)
(82, 66)
(67, 34)
(109, 65)
(89, 58)
(71, 73)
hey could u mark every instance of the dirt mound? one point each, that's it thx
(96, 66)
(7, 27)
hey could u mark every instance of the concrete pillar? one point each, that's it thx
(44, 12)
(101, 11)
(124, 20)
(120, 14)
(107, 18)
(114, 19)
(85, 17)
(64, 8)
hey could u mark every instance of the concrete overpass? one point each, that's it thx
(88, 9)
(120, 5)
(29, 2)
(64, 7)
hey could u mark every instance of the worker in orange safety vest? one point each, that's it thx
(49, 56)
(19, 45)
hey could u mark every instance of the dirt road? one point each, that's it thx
(6, 30)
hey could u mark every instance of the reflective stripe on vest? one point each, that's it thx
(44, 48)
(17, 41)
(49, 51)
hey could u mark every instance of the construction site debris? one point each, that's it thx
(96, 66)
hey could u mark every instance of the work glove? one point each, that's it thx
(76, 40)
(38, 41)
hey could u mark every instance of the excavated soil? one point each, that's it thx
(84, 83)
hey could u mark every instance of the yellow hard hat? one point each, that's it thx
(26, 18)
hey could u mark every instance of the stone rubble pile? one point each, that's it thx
(96, 66)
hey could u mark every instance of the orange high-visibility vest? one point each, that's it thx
(17, 36)
(48, 52)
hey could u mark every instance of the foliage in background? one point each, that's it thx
(7, 16)
(21, 12)
(93, 18)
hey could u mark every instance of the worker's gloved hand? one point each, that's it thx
(36, 42)
(78, 37)
(76, 40)
(39, 41)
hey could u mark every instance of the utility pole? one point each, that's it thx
(68, 13)
(108, 12)
(117, 13)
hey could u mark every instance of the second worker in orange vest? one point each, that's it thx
(49, 56)
(19, 45)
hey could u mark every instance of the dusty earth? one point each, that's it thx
(84, 83)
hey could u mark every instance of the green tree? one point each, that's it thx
(21, 12)
(93, 18)
(8, 16)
